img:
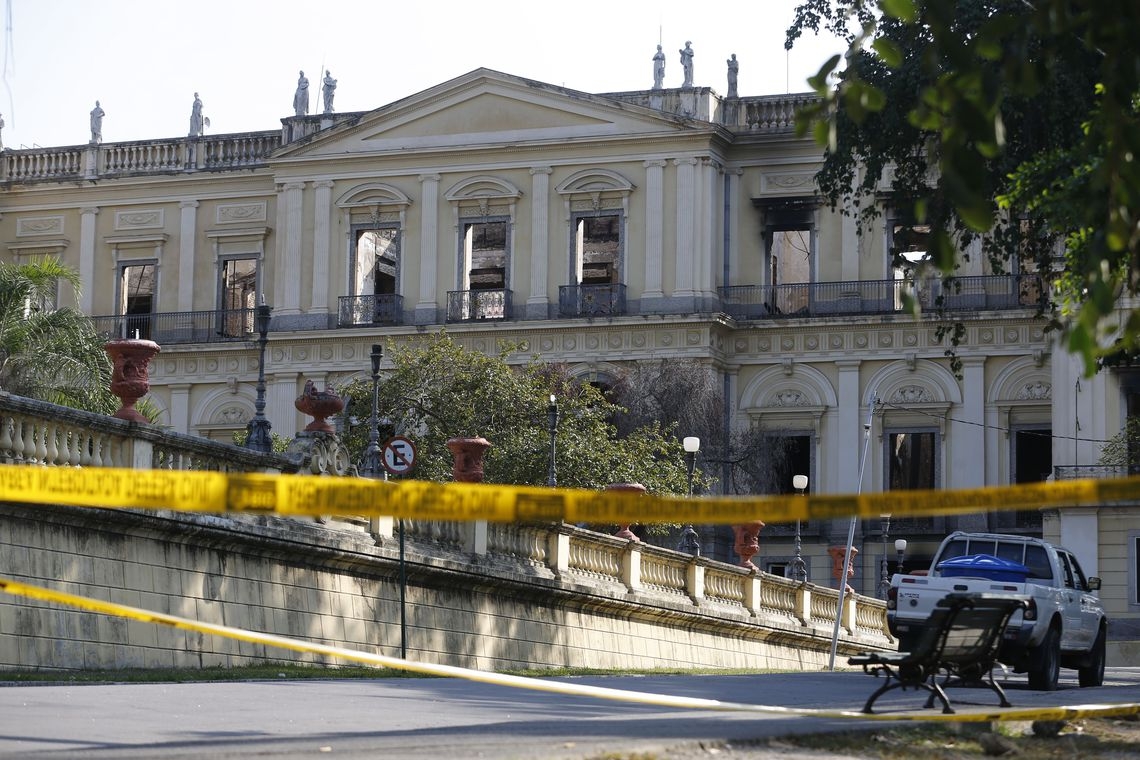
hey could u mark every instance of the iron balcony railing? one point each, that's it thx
(217, 326)
(1090, 471)
(591, 300)
(386, 309)
(881, 296)
(475, 305)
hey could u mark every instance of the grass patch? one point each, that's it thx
(1088, 738)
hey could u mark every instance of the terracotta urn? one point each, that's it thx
(319, 405)
(468, 454)
(623, 528)
(747, 541)
(130, 375)
(837, 553)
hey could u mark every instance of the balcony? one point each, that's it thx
(217, 326)
(359, 311)
(1088, 471)
(591, 300)
(478, 305)
(861, 297)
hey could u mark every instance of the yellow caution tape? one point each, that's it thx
(423, 500)
(1070, 712)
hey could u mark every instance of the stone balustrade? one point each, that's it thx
(38, 433)
(162, 156)
(617, 567)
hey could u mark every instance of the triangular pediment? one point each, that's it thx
(485, 108)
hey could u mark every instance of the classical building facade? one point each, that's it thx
(597, 229)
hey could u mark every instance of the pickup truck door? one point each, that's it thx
(1089, 605)
(1073, 636)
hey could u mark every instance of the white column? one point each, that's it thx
(732, 219)
(708, 225)
(654, 228)
(686, 233)
(87, 258)
(187, 238)
(967, 431)
(849, 249)
(538, 303)
(180, 407)
(322, 230)
(289, 275)
(427, 306)
(280, 392)
(846, 442)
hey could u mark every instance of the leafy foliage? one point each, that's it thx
(1005, 119)
(688, 397)
(437, 390)
(47, 353)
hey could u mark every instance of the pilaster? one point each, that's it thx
(538, 302)
(322, 232)
(427, 307)
(288, 277)
(685, 231)
(87, 256)
(187, 239)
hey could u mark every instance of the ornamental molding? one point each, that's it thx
(39, 225)
(785, 181)
(240, 213)
(140, 219)
(1038, 390)
(911, 394)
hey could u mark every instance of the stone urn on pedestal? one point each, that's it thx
(623, 528)
(319, 405)
(468, 455)
(837, 553)
(747, 541)
(130, 378)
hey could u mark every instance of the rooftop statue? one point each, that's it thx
(687, 63)
(301, 97)
(329, 90)
(658, 69)
(197, 121)
(733, 70)
(97, 114)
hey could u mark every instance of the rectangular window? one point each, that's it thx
(238, 288)
(912, 460)
(598, 250)
(377, 261)
(789, 242)
(485, 255)
(137, 297)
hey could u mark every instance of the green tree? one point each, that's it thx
(1014, 120)
(48, 353)
(437, 390)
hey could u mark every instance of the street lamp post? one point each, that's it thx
(799, 567)
(884, 579)
(690, 540)
(257, 437)
(552, 428)
(900, 548)
(370, 467)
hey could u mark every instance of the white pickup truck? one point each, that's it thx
(1064, 625)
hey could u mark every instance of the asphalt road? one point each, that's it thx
(456, 719)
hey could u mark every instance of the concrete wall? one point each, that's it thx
(337, 584)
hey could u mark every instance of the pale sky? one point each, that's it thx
(144, 59)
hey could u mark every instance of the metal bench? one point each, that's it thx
(961, 639)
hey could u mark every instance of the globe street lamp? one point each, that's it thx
(370, 466)
(900, 548)
(799, 567)
(690, 542)
(257, 431)
(552, 428)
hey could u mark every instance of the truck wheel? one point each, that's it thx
(1093, 673)
(1048, 656)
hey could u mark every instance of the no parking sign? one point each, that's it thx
(399, 455)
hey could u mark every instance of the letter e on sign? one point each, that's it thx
(399, 455)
